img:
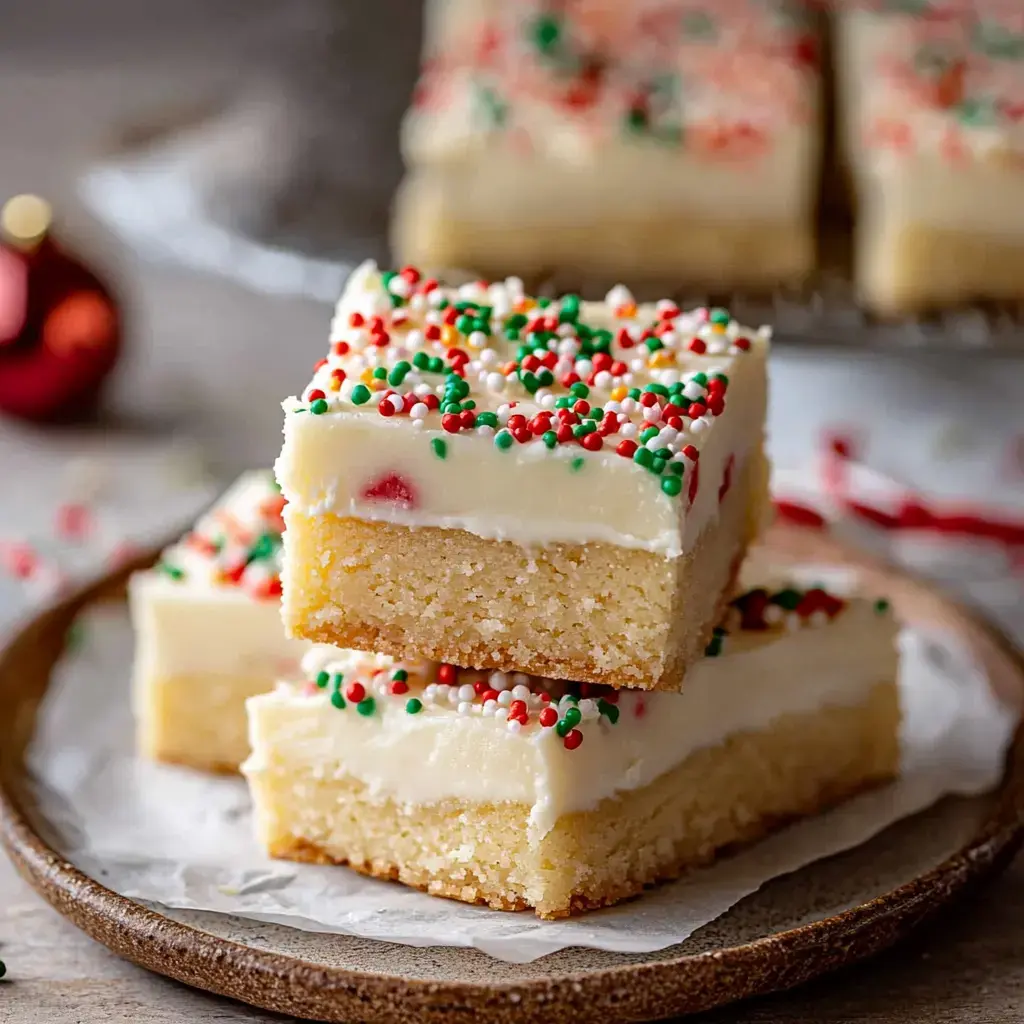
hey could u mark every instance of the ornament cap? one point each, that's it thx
(25, 220)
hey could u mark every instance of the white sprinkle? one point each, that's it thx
(466, 692)
(521, 692)
(453, 695)
(566, 330)
(584, 367)
(414, 340)
(422, 390)
(499, 681)
(429, 693)
(588, 708)
(652, 413)
(417, 424)
(489, 708)
(465, 707)
(547, 401)
(501, 714)
(602, 379)
(505, 698)
(488, 357)
(485, 431)
(628, 430)
(477, 339)
(514, 725)
(419, 411)
(670, 339)
(628, 405)
(396, 402)
(520, 679)
(692, 390)
(699, 426)
(613, 406)
(793, 622)
(620, 295)
(399, 286)
(638, 365)
(653, 444)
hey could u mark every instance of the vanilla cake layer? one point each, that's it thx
(208, 631)
(520, 792)
(596, 612)
(679, 141)
(499, 443)
(933, 138)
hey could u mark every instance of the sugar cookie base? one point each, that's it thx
(716, 799)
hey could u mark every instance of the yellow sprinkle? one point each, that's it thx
(449, 335)
(333, 384)
(367, 376)
(718, 328)
(619, 393)
(663, 357)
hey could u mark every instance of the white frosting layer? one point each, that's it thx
(340, 459)
(937, 169)
(440, 753)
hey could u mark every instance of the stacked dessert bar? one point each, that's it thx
(534, 512)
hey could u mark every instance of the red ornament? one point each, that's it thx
(60, 327)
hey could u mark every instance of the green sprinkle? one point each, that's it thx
(572, 717)
(464, 324)
(788, 599)
(322, 679)
(713, 649)
(635, 393)
(336, 680)
(647, 433)
(577, 464)
(360, 394)
(421, 360)
(671, 485)
(265, 547)
(319, 407)
(469, 405)
(544, 302)
(529, 381)
(337, 700)
(719, 376)
(550, 438)
(546, 378)
(720, 316)
(487, 419)
(171, 570)
(609, 710)
(413, 706)
(563, 402)
(657, 389)
(570, 309)
(515, 321)
(562, 728)
(653, 344)
(435, 364)
(365, 706)
(700, 378)
(398, 372)
(75, 636)
(400, 676)
(643, 457)
(512, 334)
(658, 465)
(379, 373)
(503, 439)
(579, 390)
(881, 606)
(663, 453)
(676, 467)
(440, 446)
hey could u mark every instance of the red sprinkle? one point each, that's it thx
(743, 344)
(648, 398)
(623, 339)
(573, 739)
(467, 418)
(570, 378)
(696, 410)
(581, 407)
(480, 687)
(341, 348)
(319, 365)
(450, 422)
(355, 692)
(592, 442)
(356, 320)
(399, 687)
(446, 673)
(411, 274)
(516, 422)
(73, 521)
(517, 708)
(691, 453)
(489, 695)
(564, 433)
(432, 332)
(698, 346)
(385, 408)
(547, 717)
(627, 447)
(313, 394)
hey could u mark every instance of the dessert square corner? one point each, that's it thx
(560, 487)
(584, 795)
(208, 631)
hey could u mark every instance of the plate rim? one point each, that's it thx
(635, 991)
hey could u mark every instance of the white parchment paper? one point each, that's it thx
(175, 837)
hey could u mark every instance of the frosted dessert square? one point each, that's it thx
(563, 797)
(680, 141)
(208, 630)
(559, 487)
(932, 110)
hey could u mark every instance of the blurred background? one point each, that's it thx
(213, 167)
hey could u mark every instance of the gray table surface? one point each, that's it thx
(210, 361)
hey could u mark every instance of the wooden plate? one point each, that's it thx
(829, 914)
